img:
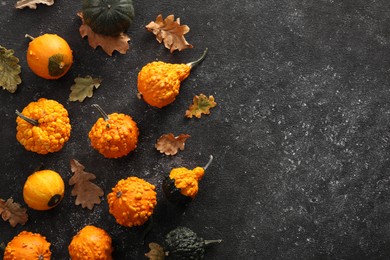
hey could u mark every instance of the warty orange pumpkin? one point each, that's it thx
(132, 201)
(91, 243)
(43, 126)
(27, 245)
(114, 135)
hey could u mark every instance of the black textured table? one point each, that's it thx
(300, 135)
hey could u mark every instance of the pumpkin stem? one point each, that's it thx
(27, 119)
(207, 242)
(29, 36)
(104, 114)
(194, 63)
(209, 162)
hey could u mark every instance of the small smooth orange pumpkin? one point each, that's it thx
(27, 245)
(91, 243)
(132, 201)
(43, 190)
(49, 56)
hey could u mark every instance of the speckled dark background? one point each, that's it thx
(300, 134)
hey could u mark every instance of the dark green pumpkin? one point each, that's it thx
(108, 17)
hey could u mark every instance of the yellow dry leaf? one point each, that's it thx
(32, 4)
(201, 105)
(12, 212)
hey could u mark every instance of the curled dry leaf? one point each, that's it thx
(170, 32)
(87, 193)
(156, 252)
(12, 212)
(201, 105)
(32, 4)
(9, 70)
(83, 88)
(109, 44)
(170, 145)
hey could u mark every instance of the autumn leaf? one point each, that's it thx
(156, 252)
(109, 44)
(83, 88)
(170, 32)
(170, 145)
(32, 3)
(9, 70)
(201, 105)
(87, 193)
(12, 212)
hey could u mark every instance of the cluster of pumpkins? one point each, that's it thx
(44, 127)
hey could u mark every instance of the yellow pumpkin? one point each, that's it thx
(27, 245)
(43, 190)
(91, 243)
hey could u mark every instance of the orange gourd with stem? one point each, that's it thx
(43, 126)
(49, 56)
(159, 82)
(114, 135)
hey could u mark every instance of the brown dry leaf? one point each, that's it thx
(201, 105)
(156, 252)
(109, 44)
(32, 4)
(170, 145)
(12, 212)
(170, 32)
(87, 193)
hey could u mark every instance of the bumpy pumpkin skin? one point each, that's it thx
(52, 131)
(159, 82)
(132, 201)
(115, 137)
(187, 180)
(49, 56)
(108, 17)
(91, 243)
(43, 190)
(27, 245)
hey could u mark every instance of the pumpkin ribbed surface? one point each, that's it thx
(159, 82)
(43, 190)
(115, 137)
(91, 243)
(52, 131)
(27, 245)
(132, 201)
(108, 17)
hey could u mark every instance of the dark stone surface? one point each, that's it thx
(300, 135)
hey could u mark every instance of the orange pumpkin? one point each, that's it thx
(27, 245)
(49, 56)
(132, 201)
(43, 190)
(91, 243)
(114, 135)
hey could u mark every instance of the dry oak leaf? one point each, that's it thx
(12, 212)
(9, 70)
(156, 252)
(170, 144)
(201, 105)
(87, 193)
(83, 88)
(32, 3)
(170, 32)
(109, 44)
